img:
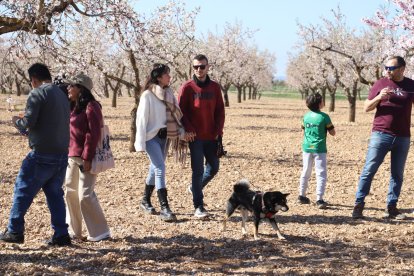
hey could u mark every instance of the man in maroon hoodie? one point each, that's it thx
(202, 105)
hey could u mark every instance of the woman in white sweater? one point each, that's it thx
(158, 124)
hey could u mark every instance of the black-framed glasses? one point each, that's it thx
(202, 67)
(391, 68)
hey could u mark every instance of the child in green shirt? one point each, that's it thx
(315, 125)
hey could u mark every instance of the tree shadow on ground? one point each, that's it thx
(184, 253)
(270, 116)
(294, 159)
(120, 137)
(267, 128)
(117, 117)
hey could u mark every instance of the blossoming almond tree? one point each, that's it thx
(398, 22)
(82, 34)
(357, 57)
(223, 52)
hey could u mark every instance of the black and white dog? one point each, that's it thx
(261, 206)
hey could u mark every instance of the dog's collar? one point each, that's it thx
(258, 193)
(268, 214)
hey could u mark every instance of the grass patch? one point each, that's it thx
(288, 93)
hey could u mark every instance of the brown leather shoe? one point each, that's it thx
(357, 212)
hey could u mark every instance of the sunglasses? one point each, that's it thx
(391, 68)
(202, 67)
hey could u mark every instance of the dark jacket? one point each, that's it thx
(47, 119)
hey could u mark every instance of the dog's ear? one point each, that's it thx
(285, 195)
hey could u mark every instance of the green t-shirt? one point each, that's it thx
(315, 126)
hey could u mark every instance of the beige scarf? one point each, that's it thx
(175, 130)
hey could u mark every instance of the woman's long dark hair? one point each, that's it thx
(85, 96)
(157, 71)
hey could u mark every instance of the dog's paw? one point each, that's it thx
(281, 237)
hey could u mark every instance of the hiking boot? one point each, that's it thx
(59, 241)
(146, 205)
(392, 212)
(321, 204)
(7, 236)
(165, 213)
(200, 212)
(303, 200)
(357, 212)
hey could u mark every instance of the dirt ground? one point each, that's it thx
(263, 142)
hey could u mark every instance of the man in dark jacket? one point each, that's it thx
(202, 105)
(46, 120)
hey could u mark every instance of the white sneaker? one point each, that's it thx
(200, 212)
(103, 237)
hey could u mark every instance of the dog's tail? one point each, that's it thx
(241, 187)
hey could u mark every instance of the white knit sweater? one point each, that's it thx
(151, 116)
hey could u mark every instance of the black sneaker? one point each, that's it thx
(357, 212)
(59, 241)
(7, 236)
(392, 212)
(321, 204)
(303, 200)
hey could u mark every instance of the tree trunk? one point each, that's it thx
(136, 97)
(133, 122)
(332, 102)
(352, 108)
(244, 93)
(250, 92)
(323, 92)
(106, 90)
(18, 87)
(226, 98)
(114, 96)
(239, 94)
(352, 96)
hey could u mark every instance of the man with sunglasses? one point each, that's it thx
(202, 105)
(392, 97)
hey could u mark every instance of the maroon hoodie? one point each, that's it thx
(203, 108)
(85, 131)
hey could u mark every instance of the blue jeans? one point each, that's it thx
(46, 172)
(379, 145)
(200, 149)
(156, 150)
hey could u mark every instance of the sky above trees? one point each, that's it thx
(275, 21)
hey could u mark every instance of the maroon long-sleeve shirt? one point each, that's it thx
(85, 131)
(203, 109)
